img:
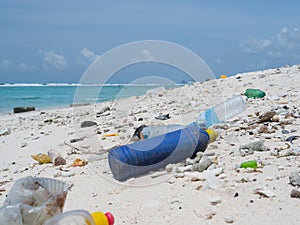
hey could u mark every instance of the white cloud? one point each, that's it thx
(86, 57)
(284, 30)
(254, 45)
(285, 43)
(89, 55)
(53, 59)
(24, 66)
(9, 64)
(6, 64)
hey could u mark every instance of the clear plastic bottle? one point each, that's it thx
(221, 112)
(81, 217)
(152, 131)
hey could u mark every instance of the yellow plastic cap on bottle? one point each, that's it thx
(212, 135)
(103, 219)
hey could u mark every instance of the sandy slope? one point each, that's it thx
(167, 199)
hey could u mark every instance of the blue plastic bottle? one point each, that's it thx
(151, 154)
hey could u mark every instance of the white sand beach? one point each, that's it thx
(238, 195)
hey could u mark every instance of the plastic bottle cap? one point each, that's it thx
(110, 218)
(212, 135)
(103, 219)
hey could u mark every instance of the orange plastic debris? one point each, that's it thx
(110, 135)
(79, 162)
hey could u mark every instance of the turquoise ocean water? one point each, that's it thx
(59, 95)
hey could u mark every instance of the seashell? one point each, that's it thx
(59, 161)
(275, 118)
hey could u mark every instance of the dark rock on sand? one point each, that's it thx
(295, 193)
(163, 117)
(88, 124)
(24, 109)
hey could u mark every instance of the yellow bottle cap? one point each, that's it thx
(212, 135)
(99, 218)
(103, 219)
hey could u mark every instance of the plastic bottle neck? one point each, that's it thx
(212, 135)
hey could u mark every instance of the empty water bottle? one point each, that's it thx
(81, 217)
(146, 132)
(221, 112)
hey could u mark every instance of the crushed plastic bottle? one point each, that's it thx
(33, 200)
(221, 112)
(81, 217)
(254, 93)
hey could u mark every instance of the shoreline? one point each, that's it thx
(80, 85)
(60, 96)
(239, 195)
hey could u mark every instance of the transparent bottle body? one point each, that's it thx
(230, 108)
(221, 112)
(152, 131)
(75, 217)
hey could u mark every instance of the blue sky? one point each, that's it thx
(55, 41)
